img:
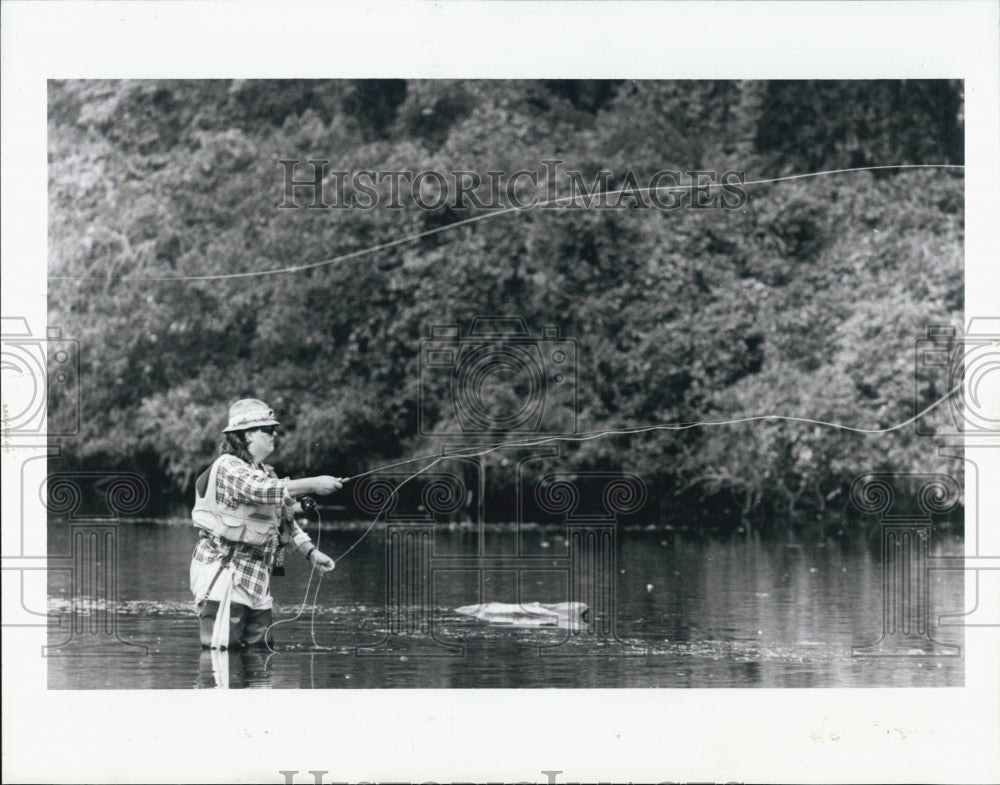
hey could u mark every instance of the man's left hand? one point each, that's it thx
(323, 562)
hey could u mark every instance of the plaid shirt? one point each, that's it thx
(236, 483)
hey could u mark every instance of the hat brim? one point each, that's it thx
(251, 425)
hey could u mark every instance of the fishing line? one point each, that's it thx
(479, 451)
(466, 221)
(312, 572)
(589, 435)
(305, 599)
(483, 450)
(489, 449)
(312, 621)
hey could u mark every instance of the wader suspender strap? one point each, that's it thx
(222, 566)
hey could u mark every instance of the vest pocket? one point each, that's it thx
(254, 532)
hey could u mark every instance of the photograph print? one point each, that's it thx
(551, 383)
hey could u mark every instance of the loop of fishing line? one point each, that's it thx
(466, 221)
(305, 599)
(483, 450)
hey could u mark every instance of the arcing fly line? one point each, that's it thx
(312, 572)
(305, 599)
(466, 221)
(483, 450)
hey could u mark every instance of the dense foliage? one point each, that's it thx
(807, 301)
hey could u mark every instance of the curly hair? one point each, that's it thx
(235, 443)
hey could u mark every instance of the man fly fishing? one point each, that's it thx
(245, 519)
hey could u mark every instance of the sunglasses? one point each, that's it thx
(270, 430)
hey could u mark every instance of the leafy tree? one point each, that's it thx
(806, 301)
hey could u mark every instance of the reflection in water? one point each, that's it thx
(686, 613)
(233, 669)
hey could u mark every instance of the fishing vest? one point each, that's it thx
(250, 523)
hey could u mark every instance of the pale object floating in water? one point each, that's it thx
(529, 614)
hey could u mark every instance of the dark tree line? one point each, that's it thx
(807, 301)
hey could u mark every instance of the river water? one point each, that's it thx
(669, 610)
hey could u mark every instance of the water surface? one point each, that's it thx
(687, 612)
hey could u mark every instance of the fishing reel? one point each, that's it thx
(307, 503)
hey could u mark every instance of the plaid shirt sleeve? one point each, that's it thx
(291, 533)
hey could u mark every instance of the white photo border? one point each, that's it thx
(504, 735)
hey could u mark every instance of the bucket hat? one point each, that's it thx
(249, 413)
